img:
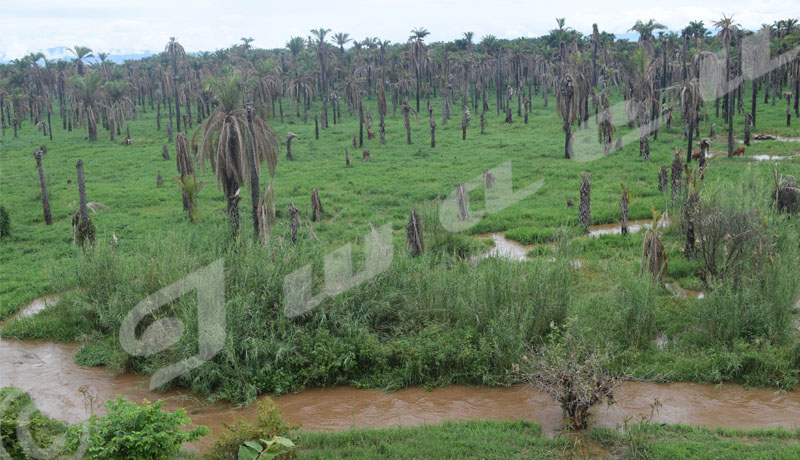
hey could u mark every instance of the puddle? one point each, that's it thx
(770, 157)
(505, 248)
(36, 306)
(634, 226)
(681, 292)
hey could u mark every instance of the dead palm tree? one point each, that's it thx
(176, 55)
(567, 108)
(226, 134)
(624, 201)
(585, 208)
(87, 93)
(728, 29)
(417, 41)
(37, 155)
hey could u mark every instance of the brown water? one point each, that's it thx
(615, 228)
(681, 292)
(505, 248)
(47, 371)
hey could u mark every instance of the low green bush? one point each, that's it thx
(139, 432)
(267, 426)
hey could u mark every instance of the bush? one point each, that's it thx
(760, 305)
(43, 431)
(573, 369)
(5, 223)
(139, 432)
(730, 242)
(268, 425)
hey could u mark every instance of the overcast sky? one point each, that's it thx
(133, 27)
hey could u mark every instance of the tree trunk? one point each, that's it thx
(48, 219)
(567, 146)
(463, 202)
(677, 172)
(316, 206)
(414, 235)
(361, 124)
(383, 129)
(433, 127)
(585, 209)
(85, 227)
(623, 210)
(294, 222)
(254, 185)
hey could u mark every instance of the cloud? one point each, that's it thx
(203, 25)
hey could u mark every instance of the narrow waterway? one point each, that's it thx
(47, 371)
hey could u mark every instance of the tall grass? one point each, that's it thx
(434, 320)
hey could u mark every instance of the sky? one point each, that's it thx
(142, 26)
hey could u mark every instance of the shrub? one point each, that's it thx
(573, 369)
(730, 242)
(140, 432)
(43, 431)
(5, 223)
(268, 425)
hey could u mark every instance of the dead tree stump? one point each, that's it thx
(414, 235)
(316, 206)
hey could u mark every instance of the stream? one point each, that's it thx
(48, 372)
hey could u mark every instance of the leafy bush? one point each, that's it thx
(139, 432)
(268, 426)
(273, 448)
(42, 430)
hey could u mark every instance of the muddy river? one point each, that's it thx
(47, 371)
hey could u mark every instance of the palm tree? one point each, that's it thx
(342, 39)
(177, 56)
(468, 37)
(727, 30)
(643, 98)
(567, 108)
(225, 135)
(322, 58)
(645, 30)
(37, 155)
(120, 106)
(81, 53)
(295, 45)
(417, 41)
(86, 92)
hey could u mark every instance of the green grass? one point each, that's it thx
(519, 439)
(435, 320)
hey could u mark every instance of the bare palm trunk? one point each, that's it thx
(585, 209)
(433, 128)
(85, 227)
(48, 219)
(254, 186)
(414, 235)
